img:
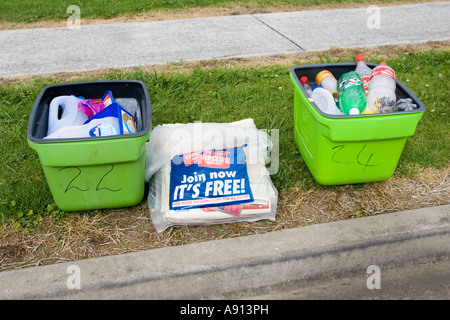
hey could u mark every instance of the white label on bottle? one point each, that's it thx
(365, 81)
(382, 71)
(349, 82)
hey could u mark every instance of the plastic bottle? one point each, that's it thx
(64, 112)
(305, 82)
(324, 100)
(364, 71)
(381, 97)
(352, 98)
(326, 79)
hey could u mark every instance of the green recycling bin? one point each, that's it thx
(349, 149)
(93, 172)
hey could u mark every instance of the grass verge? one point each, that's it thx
(222, 94)
(30, 11)
(220, 91)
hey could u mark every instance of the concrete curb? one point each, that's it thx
(233, 268)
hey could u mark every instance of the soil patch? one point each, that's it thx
(123, 231)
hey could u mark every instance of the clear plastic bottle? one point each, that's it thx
(364, 71)
(305, 82)
(381, 97)
(326, 79)
(352, 98)
(324, 100)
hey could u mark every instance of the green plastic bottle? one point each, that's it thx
(352, 97)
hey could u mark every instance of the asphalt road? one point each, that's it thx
(426, 281)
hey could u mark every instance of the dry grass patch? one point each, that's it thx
(129, 230)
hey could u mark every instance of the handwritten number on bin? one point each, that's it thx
(100, 185)
(106, 188)
(69, 186)
(368, 159)
(339, 148)
(358, 159)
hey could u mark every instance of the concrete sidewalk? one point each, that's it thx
(43, 51)
(248, 266)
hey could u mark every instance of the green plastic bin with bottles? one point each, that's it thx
(353, 128)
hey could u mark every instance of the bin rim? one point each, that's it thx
(399, 84)
(145, 130)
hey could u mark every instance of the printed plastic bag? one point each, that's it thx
(92, 106)
(124, 120)
(209, 173)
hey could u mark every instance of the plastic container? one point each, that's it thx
(64, 112)
(349, 149)
(305, 82)
(324, 100)
(95, 172)
(381, 97)
(352, 98)
(364, 71)
(328, 81)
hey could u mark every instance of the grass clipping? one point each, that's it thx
(122, 231)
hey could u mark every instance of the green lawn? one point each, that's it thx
(221, 94)
(32, 10)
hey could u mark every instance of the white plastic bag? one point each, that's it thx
(209, 173)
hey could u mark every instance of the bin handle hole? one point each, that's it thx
(60, 112)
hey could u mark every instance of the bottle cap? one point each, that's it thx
(354, 111)
(323, 74)
(359, 57)
(304, 80)
(383, 63)
(315, 87)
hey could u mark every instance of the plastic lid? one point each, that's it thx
(359, 57)
(322, 75)
(383, 63)
(354, 111)
(304, 79)
(315, 87)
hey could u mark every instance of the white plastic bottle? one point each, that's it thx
(305, 82)
(364, 71)
(381, 97)
(64, 112)
(325, 101)
(327, 80)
